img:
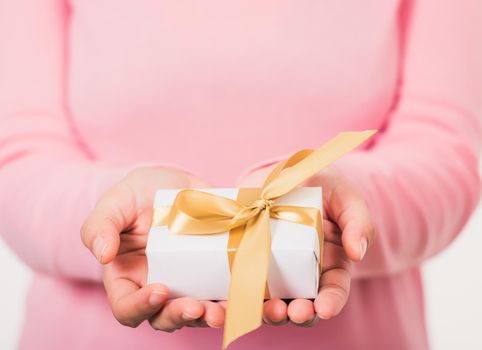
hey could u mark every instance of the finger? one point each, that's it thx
(333, 295)
(114, 212)
(213, 314)
(351, 213)
(275, 312)
(301, 311)
(132, 305)
(176, 314)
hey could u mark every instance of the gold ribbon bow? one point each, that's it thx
(196, 212)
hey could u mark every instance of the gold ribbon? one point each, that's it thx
(246, 196)
(197, 213)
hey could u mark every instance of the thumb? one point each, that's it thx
(114, 212)
(348, 208)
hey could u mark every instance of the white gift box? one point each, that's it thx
(197, 265)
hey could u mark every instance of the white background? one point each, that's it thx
(453, 293)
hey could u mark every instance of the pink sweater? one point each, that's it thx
(91, 89)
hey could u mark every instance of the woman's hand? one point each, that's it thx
(348, 231)
(116, 233)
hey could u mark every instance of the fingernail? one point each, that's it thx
(157, 297)
(99, 248)
(363, 247)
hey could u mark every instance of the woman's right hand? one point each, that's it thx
(116, 233)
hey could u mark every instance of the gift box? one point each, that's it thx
(245, 245)
(198, 266)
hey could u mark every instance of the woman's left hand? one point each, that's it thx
(348, 231)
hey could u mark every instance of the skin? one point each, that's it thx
(116, 233)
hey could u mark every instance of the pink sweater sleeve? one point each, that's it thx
(48, 179)
(420, 177)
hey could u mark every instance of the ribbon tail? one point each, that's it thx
(248, 280)
(304, 164)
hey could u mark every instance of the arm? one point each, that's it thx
(49, 180)
(420, 178)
